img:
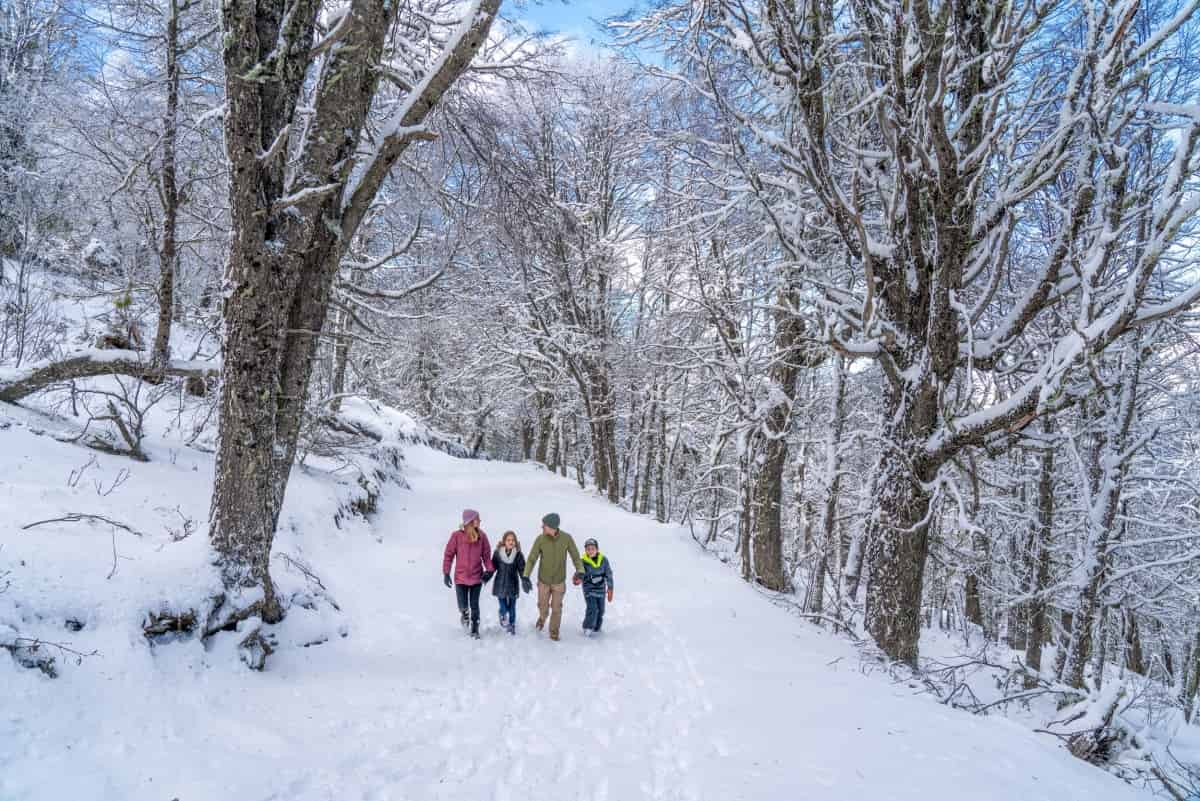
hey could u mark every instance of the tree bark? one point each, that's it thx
(293, 216)
(1135, 658)
(1193, 680)
(766, 496)
(833, 484)
(1108, 466)
(897, 533)
(1044, 530)
(168, 256)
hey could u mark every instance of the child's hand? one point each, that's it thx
(610, 595)
(577, 580)
(526, 584)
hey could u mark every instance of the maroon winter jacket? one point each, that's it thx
(470, 558)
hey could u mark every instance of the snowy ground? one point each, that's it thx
(699, 688)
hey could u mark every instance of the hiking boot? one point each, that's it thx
(554, 636)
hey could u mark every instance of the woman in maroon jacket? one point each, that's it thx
(471, 554)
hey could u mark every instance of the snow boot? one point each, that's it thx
(465, 618)
(504, 621)
(475, 629)
(511, 627)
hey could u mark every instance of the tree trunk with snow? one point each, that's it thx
(168, 253)
(766, 495)
(294, 211)
(1041, 546)
(832, 484)
(1108, 465)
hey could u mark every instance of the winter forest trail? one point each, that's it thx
(699, 689)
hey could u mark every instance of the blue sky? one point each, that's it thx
(574, 18)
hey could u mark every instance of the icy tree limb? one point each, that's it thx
(406, 126)
(400, 294)
(16, 385)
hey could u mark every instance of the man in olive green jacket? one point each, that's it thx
(551, 549)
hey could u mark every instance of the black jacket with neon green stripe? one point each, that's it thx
(597, 575)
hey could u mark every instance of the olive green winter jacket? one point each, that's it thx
(552, 553)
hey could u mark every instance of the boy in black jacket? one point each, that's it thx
(597, 586)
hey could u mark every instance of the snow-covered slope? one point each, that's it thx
(698, 689)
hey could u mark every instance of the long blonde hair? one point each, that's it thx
(472, 532)
(516, 542)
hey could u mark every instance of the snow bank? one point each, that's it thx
(698, 689)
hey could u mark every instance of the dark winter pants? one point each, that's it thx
(508, 610)
(468, 596)
(595, 612)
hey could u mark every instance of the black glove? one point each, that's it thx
(487, 575)
(526, 584)
(446, 578)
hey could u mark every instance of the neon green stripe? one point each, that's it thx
(599, 559)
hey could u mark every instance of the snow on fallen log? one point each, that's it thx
(18, 383)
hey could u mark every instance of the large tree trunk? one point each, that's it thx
(766, 495)
(898, 543)
(897, 533)
(293, 215)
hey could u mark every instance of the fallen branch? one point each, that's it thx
(75, 517)
(159, 625)
(18, 384)
(27, 653)
(1168, 785)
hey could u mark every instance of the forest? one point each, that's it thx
(891, 305)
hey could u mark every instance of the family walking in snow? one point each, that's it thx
(475, 564)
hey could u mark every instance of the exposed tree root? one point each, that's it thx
(256, 647)
(168, 625)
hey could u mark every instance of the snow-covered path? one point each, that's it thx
(699, 689)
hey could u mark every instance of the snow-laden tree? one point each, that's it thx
(321, 103)
(926, 131)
